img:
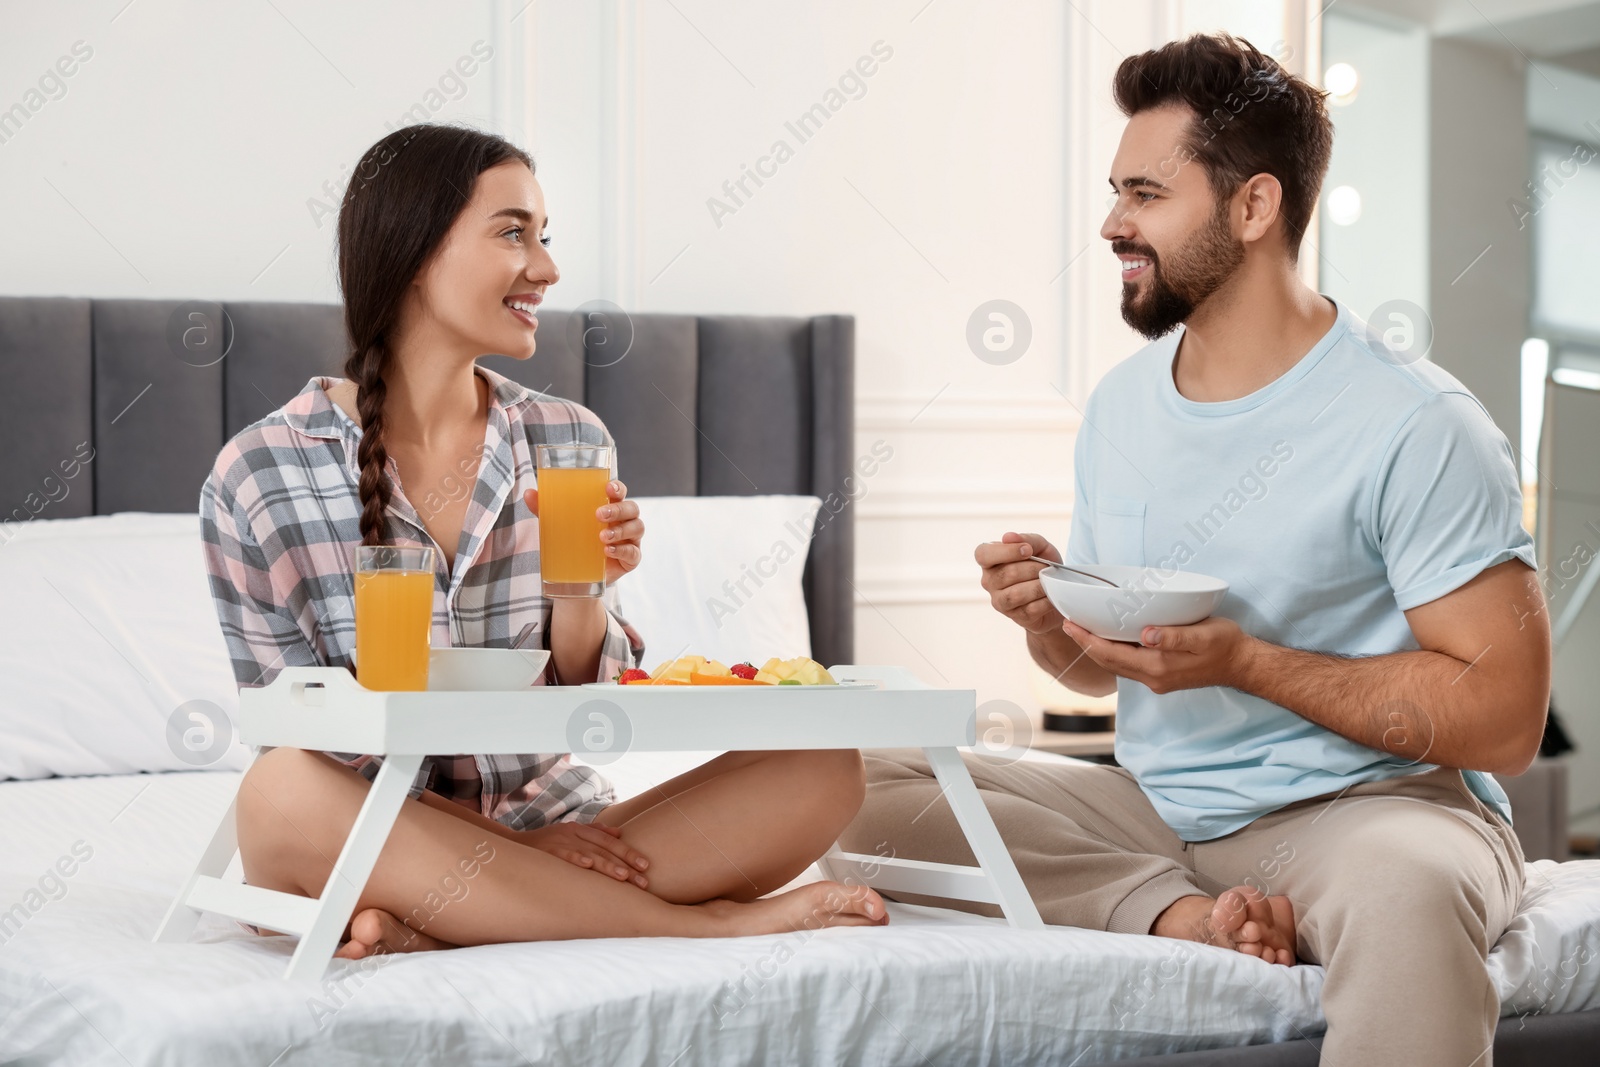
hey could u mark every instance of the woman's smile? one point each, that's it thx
(524, 307)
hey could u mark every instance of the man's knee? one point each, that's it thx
(901, 806)
(1423, 889)
(894, 765)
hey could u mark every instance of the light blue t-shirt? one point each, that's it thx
(1350, 489)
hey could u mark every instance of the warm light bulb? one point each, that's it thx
(1344, 205)
(1342, 82)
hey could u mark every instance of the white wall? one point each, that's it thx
(971, 168)
(181, 157)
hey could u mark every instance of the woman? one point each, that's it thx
(443, 258)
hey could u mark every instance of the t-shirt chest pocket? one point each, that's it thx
(1119, 530)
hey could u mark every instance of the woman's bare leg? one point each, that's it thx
(743, 824)
(296, 809)
(775, 837)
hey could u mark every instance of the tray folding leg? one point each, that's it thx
(1010, 892)
(354, 865)
(321, 921)
(181, 916)
(994, 880)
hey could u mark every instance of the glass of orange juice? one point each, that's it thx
(572, 488)
(394, 616)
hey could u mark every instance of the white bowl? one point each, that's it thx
(1147, 596)
(458, 669)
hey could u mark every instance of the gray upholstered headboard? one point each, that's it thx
(700, 405)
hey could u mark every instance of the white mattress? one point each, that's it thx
(81, 983)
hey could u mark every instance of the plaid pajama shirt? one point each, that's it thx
(280, 519)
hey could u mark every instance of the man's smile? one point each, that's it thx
(1134, 266)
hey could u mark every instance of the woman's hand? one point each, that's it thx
(621, 529)
(621, 532)
(591, 845)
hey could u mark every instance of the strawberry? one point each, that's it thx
(632, 674)
(742, 670)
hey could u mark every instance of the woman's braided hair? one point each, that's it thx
(402, 199)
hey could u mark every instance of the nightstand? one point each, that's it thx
(1094, 718)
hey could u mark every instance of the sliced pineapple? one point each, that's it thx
(810, 672)
(802, 670)
(678, 670)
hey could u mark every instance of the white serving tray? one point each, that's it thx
(324, 708)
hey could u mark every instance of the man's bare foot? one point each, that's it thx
(374, 932)
(1243, 919)
(808, 907)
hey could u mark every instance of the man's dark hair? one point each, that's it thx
(1251, 117)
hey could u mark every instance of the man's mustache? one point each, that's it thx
(1130, 250)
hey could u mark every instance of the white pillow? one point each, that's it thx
(109, 648)
(720, 578)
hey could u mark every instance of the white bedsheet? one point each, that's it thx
(81, 983)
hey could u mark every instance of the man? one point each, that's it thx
(1302, 773)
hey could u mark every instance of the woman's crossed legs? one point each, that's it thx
(717, 839)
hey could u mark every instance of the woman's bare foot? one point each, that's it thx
(1243, 919)
(808, 907)
(374, 932)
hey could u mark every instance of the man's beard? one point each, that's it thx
(1179, 284)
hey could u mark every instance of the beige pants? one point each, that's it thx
(1400, 888)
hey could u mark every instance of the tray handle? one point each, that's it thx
(886, 676)
(308, 686)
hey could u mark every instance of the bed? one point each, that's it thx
(94, 852)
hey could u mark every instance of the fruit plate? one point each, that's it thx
(641, 687)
